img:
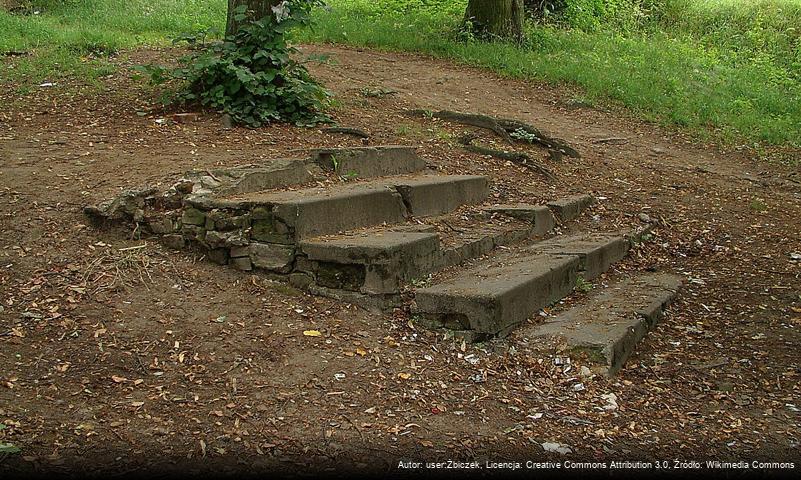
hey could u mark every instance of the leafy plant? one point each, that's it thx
(522, 134)
(251, 75)
(7, 448)
(583, 285)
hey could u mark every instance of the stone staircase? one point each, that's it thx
(372, 226)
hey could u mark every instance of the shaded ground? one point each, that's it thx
(124, 360)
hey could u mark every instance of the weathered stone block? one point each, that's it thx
(239, 222)
(194, 232)
(610, 323)
(176, 242)
(303, 264)
(300, 280)
(193, 216)
(270, 231)
(369, 161)
(242, 263)
(162, 225)
(217, 239)
(218, 256)
(596, 252)
(261, 213)
(540, 216)
(277, 258)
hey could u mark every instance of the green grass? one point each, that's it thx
(718, 70)
(729, 70)
(73, 37)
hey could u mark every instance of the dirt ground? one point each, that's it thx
(120, 356)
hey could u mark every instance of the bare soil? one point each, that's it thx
(120, 356)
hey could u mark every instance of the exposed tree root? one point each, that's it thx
(480, 121)
(516, 157)
(504, 128)
(347, 130)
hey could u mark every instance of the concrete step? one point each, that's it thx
(430, 195)
(500, 293)
(369, 162)
(569, 208)
(372, 262)
(596, 252)
(352, 162)
(386, 258)
(609, 324)
(322, 211)
(495, 297)
(541, 217)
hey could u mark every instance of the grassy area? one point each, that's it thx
(70, 37)
(728, 69)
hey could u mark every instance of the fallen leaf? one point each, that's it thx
(405, 376)
(117, 379)
(312, 333)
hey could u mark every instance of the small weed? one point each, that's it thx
(334, 163)
(583, 285)
(523, 135)
(404, 130)
(592, 354)
(352, 175)
(443, 135)
(758, 206)
(644, 238)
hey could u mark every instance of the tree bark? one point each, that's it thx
(495, 18)
(256, 9)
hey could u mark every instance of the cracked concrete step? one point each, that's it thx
(540, 216)
(369, 162)
(354, 162)
(430, 195)
(383, 259)
(610, 323)
(371, 262)
(596, 252)
(569, 208)
(496, 295)
(323, 211)
(493, 298)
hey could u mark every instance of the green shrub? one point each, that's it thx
(251, 75)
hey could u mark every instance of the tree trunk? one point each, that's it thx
(495, 18)
(256, 9)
